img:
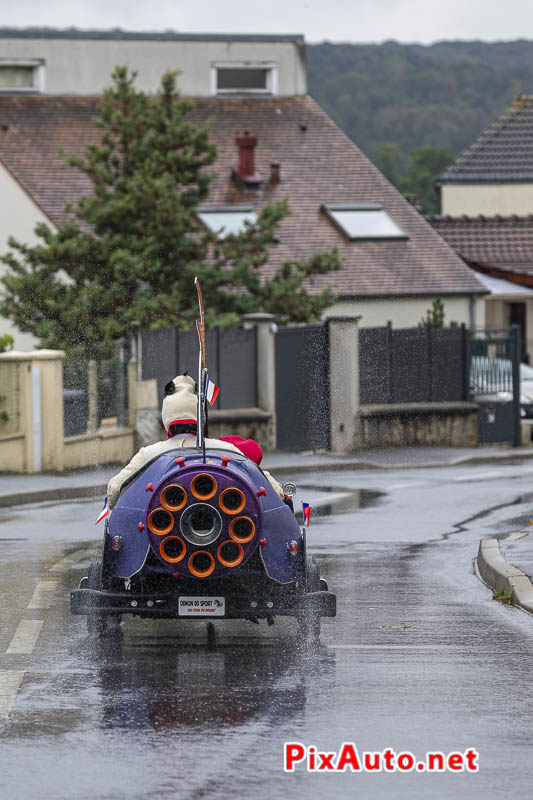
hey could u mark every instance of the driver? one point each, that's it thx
(179, 415)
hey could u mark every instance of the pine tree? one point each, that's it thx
(128, 252)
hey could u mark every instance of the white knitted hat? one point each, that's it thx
(181, 404)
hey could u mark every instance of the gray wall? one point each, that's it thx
(82, 65)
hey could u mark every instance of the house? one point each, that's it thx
(273, 141)
(487, 216)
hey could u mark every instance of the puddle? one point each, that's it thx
(355, 499)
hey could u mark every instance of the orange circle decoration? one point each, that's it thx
(236, 561)
(225, 507)
(172, 559)
(206, 495)
(241, 538)
(160, 521)
(201, 573)
(166, 497)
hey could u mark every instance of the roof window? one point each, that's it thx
(227, 220)
(364, 221)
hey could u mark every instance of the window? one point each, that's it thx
(244, 78)
(364, 221)
(247, 80)
(226, 220)
(21, 76)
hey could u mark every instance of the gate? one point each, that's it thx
(231, 358)
(302, 388)
(495, 384)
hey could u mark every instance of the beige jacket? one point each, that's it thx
(146, 454)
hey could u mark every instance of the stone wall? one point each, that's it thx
(426, 424)
(250, 423)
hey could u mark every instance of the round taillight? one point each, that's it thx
(232, 500)
(173, 497)
(160, 521)
(201, 564)
(203, 486)
(172, 549)
(242, 529)
(230, 553)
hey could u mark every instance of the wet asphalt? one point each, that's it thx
(419, 658)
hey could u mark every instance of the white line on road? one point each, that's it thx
(43, 595)
(10, 680)
(25, 637)
(66, 563)
(476, 477)
(412, 485)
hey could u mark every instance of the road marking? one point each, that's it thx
(474, 477)
(412, 485)
(10, 680)
(66, 563)
(25, 637)
(43, 595)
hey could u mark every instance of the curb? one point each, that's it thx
(498, 574)
(99, 490)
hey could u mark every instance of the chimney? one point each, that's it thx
(245, 173)
(275, 173)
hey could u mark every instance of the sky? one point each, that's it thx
(422, 21)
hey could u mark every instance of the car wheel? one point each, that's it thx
(309, 619)
(99, 624)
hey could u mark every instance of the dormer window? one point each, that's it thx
(368, 221)
(227, 220)
(244, 78)
(20, 75)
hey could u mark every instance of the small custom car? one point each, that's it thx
(202, 535)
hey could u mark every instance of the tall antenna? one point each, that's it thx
(202, 371)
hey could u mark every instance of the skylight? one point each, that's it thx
(364, 221)
(226, 220)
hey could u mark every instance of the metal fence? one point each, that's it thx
(231, 359)
(93, 391)
(413, 365)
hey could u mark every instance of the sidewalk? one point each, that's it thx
(41, 487)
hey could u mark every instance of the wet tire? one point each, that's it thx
(309, 620)
(99, 624)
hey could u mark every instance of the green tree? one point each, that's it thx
(418, 182)
(6, 343)
(128, 252)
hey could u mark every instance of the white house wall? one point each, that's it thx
(84, 66)
(18, 217)
(488, 199)
(407, 312)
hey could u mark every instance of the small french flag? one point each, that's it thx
(103, 513)
(307, 513)
(211, 391)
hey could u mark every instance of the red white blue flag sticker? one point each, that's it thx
(103, 513)
(307, 513)
(211, 391)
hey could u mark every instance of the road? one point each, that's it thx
(419, 658)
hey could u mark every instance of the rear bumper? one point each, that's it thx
(87, 601)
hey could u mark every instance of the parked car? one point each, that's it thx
(491, 379)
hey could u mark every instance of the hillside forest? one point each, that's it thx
(413, 108)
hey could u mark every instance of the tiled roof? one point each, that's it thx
(503, 243)
(319, 165)
(503, 153)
